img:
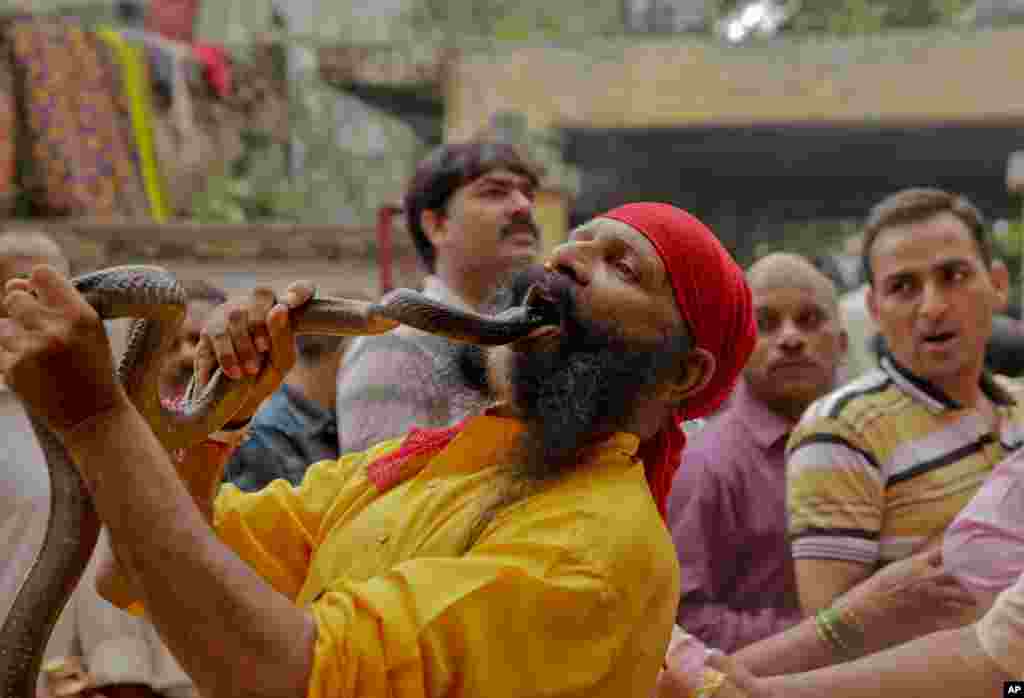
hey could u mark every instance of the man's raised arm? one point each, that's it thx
(232, 632)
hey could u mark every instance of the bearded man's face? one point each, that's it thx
(582, 384)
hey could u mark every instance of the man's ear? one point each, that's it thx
(871, 301)
(433, 222)
(696, 371)
(1001, 282)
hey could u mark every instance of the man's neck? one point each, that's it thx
(790, 411)
(317, 383)
(473, 286)
(965, 386)
(966, 391)
(647, 419)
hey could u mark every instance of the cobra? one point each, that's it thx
(153, 297)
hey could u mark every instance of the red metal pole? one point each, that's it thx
(385, 214)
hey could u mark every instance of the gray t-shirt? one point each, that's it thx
(390, 383)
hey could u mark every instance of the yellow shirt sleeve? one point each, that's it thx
(275, 529)
(516, 616)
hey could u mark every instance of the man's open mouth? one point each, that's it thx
(543, 306)
(939, 337)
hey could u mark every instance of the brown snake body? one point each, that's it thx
(154, 298)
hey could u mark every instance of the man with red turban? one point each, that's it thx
(520, 552)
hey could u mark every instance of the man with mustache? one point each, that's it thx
(879, 468)
(520, 552)
(727, 510)
(469, 209)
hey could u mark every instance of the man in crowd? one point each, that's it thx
(122, 656)
(519, 553)
(297, 425)
(727, 510)
(880, 467)
(202, 298)
(469, 210)
(24, 488)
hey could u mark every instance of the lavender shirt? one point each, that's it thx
(24, 497)
(727, 514)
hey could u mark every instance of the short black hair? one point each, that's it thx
(449, 167)
(919, 204)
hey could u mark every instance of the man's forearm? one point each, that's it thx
(728, 629)
(233, 634)
(820, 582)
(794, 650)
(200, 469)
(950, 663)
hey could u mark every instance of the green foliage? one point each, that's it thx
(256, 187)
(849, 17)
(809, 238)
(1009, 246)
(515, 20)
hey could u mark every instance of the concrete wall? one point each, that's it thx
(893, 78)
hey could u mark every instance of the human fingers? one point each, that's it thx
(936, 589)
(951, 593)
(671, 683)
(205, 361)
(56, 290)
(736, 672)
(24, 308)
(17, 284)
(932, 555)
(10, 345)
(259, 305)
(299, 293)
(283, 352)
(216, 332)
(238, 326)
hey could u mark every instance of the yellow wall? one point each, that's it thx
(551, 209)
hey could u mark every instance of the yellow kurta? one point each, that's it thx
(571, 592)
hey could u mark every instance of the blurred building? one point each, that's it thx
(622, 100)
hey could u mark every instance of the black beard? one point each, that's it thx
(571, 395)
(586, 388)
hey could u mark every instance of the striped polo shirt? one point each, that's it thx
(879, 466)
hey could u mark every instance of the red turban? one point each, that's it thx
(713, 298)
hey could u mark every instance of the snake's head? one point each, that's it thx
(542, 306)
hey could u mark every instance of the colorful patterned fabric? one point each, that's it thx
(8, 138)
(78, 120)
(880, 466)
(136, 82)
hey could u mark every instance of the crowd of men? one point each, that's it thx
(679, 486)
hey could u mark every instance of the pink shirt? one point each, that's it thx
(984, 546)
(727, 514)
